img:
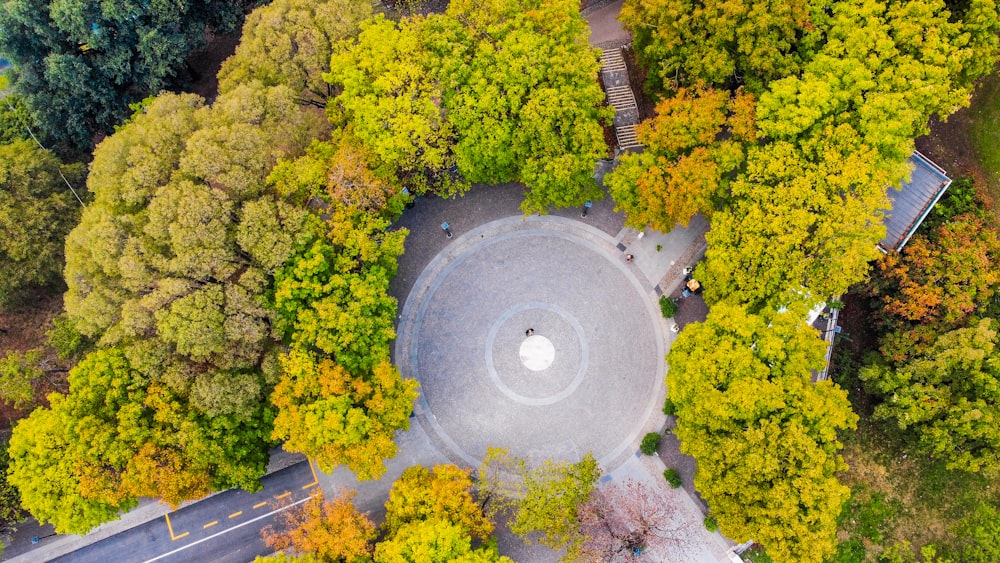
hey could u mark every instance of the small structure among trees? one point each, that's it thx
(911, 202)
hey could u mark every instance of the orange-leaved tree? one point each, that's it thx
(331, 530)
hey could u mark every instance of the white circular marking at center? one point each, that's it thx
(537, 352)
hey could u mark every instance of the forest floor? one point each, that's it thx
(24, 327)
(968, 144)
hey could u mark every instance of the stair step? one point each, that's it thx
(626, 137)
(621, 97)
(612, 60)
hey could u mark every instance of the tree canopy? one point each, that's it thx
(483, 93)
(721, 42)
(166, 271)
(624, 518)
(79, 64)
(943, 279)
(845, 90)
(541, 503)
(117, 436)
(37, 210)
(325, 530)
(340, 401)
(683, 42)
(764, 436)
(444, 492)
(290, 42)
(947, 395)
(685, 166)
(800, 225)
(432, 517)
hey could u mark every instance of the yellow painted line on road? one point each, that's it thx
(210, 524)
(315, 480)
(235, 514)
(285, 494)
(171, 529)
(259, 504)
(222, 531)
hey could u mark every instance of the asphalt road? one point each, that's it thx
(223, 528)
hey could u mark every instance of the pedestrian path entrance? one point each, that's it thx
(614, 74)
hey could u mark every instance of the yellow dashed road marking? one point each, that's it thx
(210, 524)
(259, 504)
(285, 494)
(235, 514)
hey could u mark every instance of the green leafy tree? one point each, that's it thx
(685, 166)
(393, 102)
(521, 93)
(947, 397)
(431, 516)
(434, 540)
(543, 502)
(492, 93)
(289, 42)
(333, 307)
(721, 42)
(287, 558)
(11, 512)
(65, 459)
(797, 228)
(979, 535)
(15, 117)
(324, 302)
(37, 210)
(19, 372)
(764, 436)
(885, 68)
(443, 492)
(171, 264)
(79, 64)
(122, 436)
(338, 417)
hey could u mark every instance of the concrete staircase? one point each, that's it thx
(614, 73)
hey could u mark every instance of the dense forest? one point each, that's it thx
(226, 261)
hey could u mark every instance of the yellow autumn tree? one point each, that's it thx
(763, 434)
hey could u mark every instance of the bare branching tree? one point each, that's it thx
(633, 521)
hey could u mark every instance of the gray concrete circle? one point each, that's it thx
(537, 352)
(561, 380)
(464, 321)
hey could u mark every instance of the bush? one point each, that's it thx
(672, 477)
(711, 524)
(650, 442)
(668, 307)
(669, 408)
(756, 554)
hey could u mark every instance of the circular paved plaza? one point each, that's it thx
(534, 335)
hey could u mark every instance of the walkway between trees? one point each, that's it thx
(607, 33)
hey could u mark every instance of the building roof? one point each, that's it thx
(911, 203)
